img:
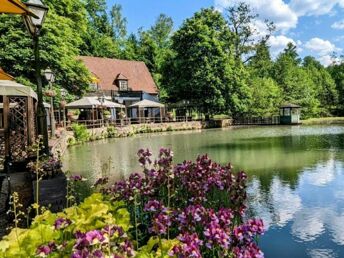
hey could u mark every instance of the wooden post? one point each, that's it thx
(30, 118)
(6, 109)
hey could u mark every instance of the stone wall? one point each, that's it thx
(60, 144)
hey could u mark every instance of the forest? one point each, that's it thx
(215, 60)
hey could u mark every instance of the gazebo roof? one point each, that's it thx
(5, 76)
(147, 104)
(14, 7)
(12, 88)
(92, 102)
(289, 105)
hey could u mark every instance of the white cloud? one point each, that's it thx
(314, 7)
(322, 50)
(320, 47)
(278, 43)
(339, 25)
(276, 11)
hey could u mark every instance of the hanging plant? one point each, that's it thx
(63, 103)
(50, 93)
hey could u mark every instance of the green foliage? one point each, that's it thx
(296, 84)
(94, 213)
(60, 40)
(81, 133)
(200, 69)
(266, 97)
(111, 131)
(337, 73)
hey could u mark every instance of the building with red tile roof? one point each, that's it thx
(120, 75)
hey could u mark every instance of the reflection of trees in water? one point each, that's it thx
(284, 156)
(311, 211)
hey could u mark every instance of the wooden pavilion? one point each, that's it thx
(17, 121)
(147, 111)
(289, 114)
(92, 106)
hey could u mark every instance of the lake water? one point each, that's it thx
(296, 177)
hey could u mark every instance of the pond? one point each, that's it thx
(296, 177)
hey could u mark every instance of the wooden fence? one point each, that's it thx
(273, 120)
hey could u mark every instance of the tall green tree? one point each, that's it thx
(118, 22)
(337, 72)
(296, 84)
(99, 37)
(201, 69)
(246, 38)
(60, 40)
(325, 86)
(266, 97)
(154, 46)
(261, 63)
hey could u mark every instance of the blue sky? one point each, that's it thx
(315, 26)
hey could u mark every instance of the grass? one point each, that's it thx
(323, 121)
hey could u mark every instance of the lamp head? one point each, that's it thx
(49, 75)
(40, 10)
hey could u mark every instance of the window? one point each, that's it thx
(123, 85)
(93, 86)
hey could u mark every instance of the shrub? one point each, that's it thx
(80, 132)
(77, 230)
(202, 204)
(111, 131)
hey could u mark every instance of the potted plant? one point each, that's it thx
(63, 103)
(122, 115)
(74, 114)
(169, 115)
(50, 93)
(107, 114)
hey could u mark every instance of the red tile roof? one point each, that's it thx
(107, 70)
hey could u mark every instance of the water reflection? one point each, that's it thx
(311, 212)
(297, 177)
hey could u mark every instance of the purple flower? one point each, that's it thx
(161, 222)
(256, 226)
(216, 235)
(144, 157)
(45, 250)
(127, 248)
(101, 181)
(77, 178)
(62, 223)
(98, 254)
(80, 254)
(248, 251)
(153, 206)
(189, 247)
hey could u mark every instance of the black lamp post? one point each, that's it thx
(34, 26)
(50, 76)
(63, 95)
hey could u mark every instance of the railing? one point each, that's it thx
(128, 121)
(273, 120)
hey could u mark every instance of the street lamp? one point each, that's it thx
(34, 26)
(63, 95)
(50, 76)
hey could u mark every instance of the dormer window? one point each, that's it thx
(123, 85)
(121, 82)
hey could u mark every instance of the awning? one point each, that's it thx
(12, 88)
(147, 104)
(111, 104)
(5, 76)
(14, 7)
(92, 102)
(46, 105)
